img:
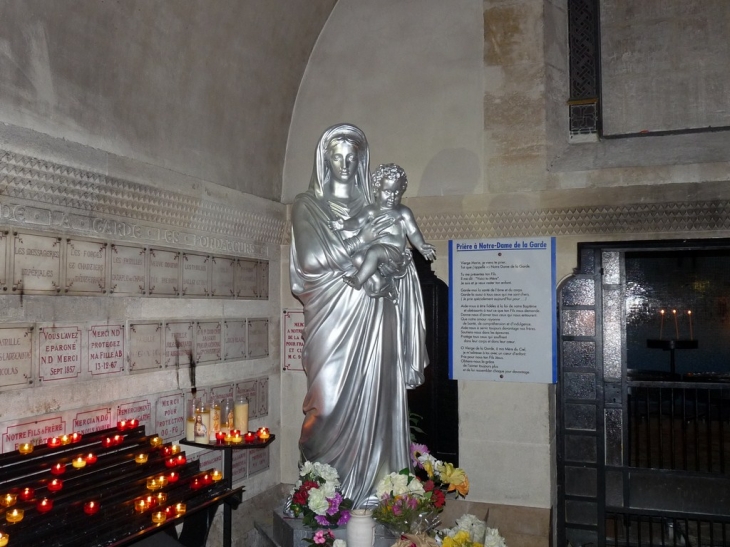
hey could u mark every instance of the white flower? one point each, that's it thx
(317, 501)
(415, 487)
(327, 472)
(296, 487)
(395, 484)
(305, 469)
(493, 539)
(328, 489)
(339, 543)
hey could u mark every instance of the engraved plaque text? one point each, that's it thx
(128, 270)
(208, 342)
(59, 352)
(16, 356)
(106, 349)
(195, 275)
(85, 267)
(258, 338)
(222, 270)
(37, 264)
(235, 339)
(164, 272)
(145, 343)
(179, 343)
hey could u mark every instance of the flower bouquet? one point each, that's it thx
(444, 476)
(316, 498)
(470, 531)
(325, 538)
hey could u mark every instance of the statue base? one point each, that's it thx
(291, 532)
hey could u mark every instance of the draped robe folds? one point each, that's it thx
(360, 354)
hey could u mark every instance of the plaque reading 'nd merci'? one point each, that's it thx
(59, 352)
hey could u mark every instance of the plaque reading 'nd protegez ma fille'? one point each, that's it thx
(145, 346)
(208, 342)
(195, 275)
(164, 273)
(179, 343)
(36, 264)
(221, 277)
(235, 339)
(16, 356)
(258, 338)
(128, 270)
(59, 352)
(106, 349)
(246, 278)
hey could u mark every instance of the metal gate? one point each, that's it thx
(643, 451)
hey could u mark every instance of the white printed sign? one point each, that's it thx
(293, 342)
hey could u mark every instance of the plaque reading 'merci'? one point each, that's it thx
(16, 356)
(164, 273)
(59, 353)
(128, 270)
(258, 338)
(179, 343)
(106, 349)
(85, 267)
(145, 346)
(195, 275)
(235, 339)
(246, 278)
(208, 342)
(221, 278)
(36, 264)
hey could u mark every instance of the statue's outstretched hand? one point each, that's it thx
(428, 251)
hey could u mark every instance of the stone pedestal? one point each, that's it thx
(291, 532)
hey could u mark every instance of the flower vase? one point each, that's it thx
(361, 528)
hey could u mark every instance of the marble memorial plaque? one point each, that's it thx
(128, 270)
(258, 460)
(92, 420)
(262, 393)
(170, 416)
(106, 349)
(35, 432)
(235, 339)
(221, 278)
(246, 278)
(249, 389)
(85, 267)
(258, 338)
(209, 459)
(59, 352)
(164, 273)
(16, 356)
(195, 275)
(3, 260)
(36, 264)
(208, 342)
(139, 409)
(240, 465)
(145, 346)
(179, 343)
(263, 291)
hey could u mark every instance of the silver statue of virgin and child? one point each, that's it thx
(364, 333)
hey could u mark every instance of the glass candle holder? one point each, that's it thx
(196, 483)
(156, 442)
(55, 485)
(8, 500)
(158, 517)
(91, 458)
(65, 439)
(162, 479)
(4, 539)
(161, 498)
(58, 468)
(240, 413)
(107, 442)
(263, 433)
(173, 476)
(75, 437)
(175, 449)
(91, 507)
(180, 508)
(26, 494)
(44, 505)
(151, 501)
(14, 515)
(170, 462)
(220, 437)
(25, 448)
(216, 475)
(53, 442)
(249, 437)
(117, 439)
(133, 423)
(153, 484)
(141, 457)
(181, 459)
(78, 462)
(121, 425)
(140, 505)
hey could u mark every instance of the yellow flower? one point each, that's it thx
(428, 468)
(453, 476)
(462, 537)
(448, 542)
(462, 488)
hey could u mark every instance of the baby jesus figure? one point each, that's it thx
(389, 184)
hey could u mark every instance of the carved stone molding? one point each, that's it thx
(44, 182)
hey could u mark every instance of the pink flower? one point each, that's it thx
(319, 537)
(418, 450)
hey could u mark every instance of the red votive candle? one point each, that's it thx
(117, 439)
(91, 507)
(207, 479)
(196, 483)
(249, 437)
(235, 432)
(44, 505)
(181, 459)
(263, 433)
(220, 436)
(75, 437)
(26, 494)
(151, 501)
(91, 458)
(55, 485)
(107, 442)
(173, 476)
(167, 450)
(58, 468)
(53, 442)
(131, 424)
(122, 425)
(171, 462)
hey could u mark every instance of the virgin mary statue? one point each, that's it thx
(361, 352)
